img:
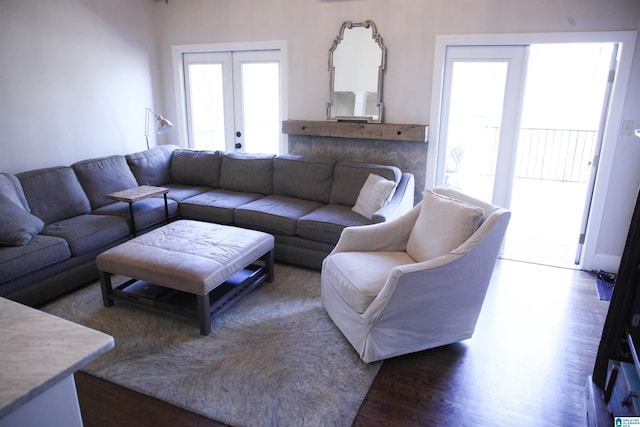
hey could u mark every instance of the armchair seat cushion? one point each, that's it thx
(359, 276)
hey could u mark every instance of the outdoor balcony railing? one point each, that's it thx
(552, 154)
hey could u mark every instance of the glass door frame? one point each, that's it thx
(515, 57)
(626, 40)
(278, 47)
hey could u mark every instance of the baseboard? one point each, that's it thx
(596, 409)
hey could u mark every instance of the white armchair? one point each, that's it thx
(418, 281)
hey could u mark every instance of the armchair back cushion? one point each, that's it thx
(442, 225)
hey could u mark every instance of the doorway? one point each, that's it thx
(231, 96)
(521, 126)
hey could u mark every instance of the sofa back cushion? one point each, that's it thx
(191, 167)
(54, 193)
(153, 166)
(349, 178)
(11, 189)
(250, 173)
(308, 178)
(102, 176)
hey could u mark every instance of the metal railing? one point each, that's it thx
(552, 154)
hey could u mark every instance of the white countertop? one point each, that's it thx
(37, 350)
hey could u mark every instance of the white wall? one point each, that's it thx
(75, 80)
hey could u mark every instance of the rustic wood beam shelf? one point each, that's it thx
(383, 131)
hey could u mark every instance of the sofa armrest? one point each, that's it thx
(401, 201)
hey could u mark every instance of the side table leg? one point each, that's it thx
(166, 209)
(204, 314)
(133, 221)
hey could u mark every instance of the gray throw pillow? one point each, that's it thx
(18, 226)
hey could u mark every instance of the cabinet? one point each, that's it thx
(620, 342)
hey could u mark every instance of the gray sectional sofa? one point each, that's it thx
(56, 220)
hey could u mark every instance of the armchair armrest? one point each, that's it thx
(384, 236)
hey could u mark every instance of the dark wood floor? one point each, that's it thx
(527, 365)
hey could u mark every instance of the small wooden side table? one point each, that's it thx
(132, 195)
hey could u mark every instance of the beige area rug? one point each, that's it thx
(274, 359)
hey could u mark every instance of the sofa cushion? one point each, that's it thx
(326, 223)
(374, 194)
(349, 177)
(152, 166)
(54, 194)
(216, 205)
(442, 225)
(10, 187)
(85, 233)
(180, 192)
(274, 214)
(41, 252)
(191, 167)
(306, 178)
(102, 176)
(17, 226)
(251, 173)
(146, 212)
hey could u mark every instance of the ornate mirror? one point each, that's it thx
(356, 64)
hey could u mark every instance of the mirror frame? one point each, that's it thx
(378, 40)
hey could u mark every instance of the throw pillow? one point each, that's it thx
(18, 226)
(442, 225)
(374, 194)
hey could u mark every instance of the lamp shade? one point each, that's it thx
(163, 125)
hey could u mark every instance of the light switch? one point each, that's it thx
(627, 127)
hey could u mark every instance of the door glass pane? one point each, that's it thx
(475, 115)
(261, 107)
(206, 106)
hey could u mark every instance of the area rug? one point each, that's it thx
(275, 358)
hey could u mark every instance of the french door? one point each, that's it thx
(521, 126)
(233, 100)
(482, 105)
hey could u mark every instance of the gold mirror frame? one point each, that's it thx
(355, 88)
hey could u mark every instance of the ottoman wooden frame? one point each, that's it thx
(188, 268)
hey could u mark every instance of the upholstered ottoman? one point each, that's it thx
(189, 268)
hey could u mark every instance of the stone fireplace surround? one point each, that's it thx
(404, 146)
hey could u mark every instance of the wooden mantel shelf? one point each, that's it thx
(383, 131)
